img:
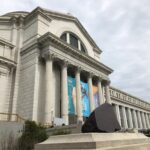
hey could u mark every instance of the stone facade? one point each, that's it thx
(35, 63)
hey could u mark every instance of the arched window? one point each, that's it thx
(64, 37)
(73, 40)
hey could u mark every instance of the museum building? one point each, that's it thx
(51, 71)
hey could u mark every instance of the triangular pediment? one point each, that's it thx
(68, 17)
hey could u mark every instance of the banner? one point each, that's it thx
(96, 96)
(72, 95)
(85, 99)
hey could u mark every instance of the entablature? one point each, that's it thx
(129, 99)
(49, 40)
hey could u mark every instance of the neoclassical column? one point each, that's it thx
(92, 106)
(140, 120)
(147, 120)
(118, 113)
(108, 99)
(103, 91)
(130, 118)
(135, 119)
(124, 117)
(64, 93)
(49, 99)
(100, 92)
(78, 96)
(148, 117)
(143, 120)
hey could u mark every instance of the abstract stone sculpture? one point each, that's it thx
(102, 119)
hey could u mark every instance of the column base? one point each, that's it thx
(79, 119)
(66, 119)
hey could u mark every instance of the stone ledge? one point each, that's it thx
(92, 141)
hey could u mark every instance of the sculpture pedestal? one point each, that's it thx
(96, 141)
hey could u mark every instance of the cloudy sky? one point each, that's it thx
(121, 28)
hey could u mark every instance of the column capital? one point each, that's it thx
(78, 69)
(90, 74)
(21, 21)
(107, 82)
(14, 21)
(48, 56)
(99, 79)
(64, 63)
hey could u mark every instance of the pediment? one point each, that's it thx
(52, 15)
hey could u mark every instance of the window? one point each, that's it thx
(64, 37)
(74, 41)
(82, 48)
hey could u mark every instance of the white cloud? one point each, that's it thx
(120, 27)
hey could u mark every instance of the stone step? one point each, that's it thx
(115, 143)
(143, 146)
(95, 141)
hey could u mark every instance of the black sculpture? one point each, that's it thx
(102, 119)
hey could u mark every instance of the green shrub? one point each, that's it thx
(33, 133)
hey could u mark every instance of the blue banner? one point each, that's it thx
(72, 97)
(85, 99)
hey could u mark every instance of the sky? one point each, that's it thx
(121, 28)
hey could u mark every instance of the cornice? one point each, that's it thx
(96, 48)
(8, 62)
(129, 99)
(49, 38)
(49, 15)
(7, 43)
(118, 90)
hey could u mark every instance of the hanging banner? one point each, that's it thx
(95, 96)
(85, 99)
(72, 95)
